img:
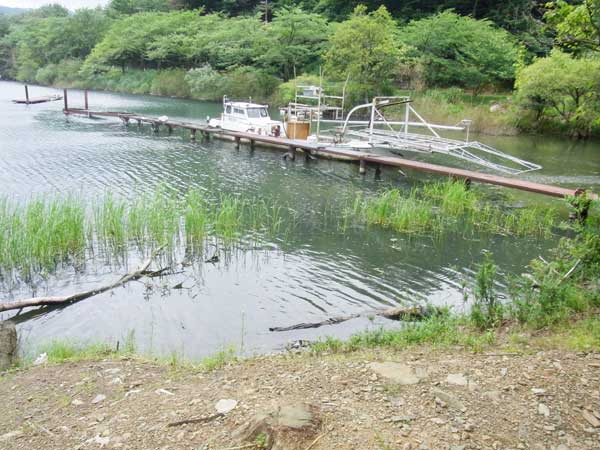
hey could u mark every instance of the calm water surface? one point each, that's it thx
(316, 272)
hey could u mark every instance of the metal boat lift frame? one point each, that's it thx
(403, 140)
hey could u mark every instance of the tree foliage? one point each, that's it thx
(365, 48)
(460, 51)
(577, 25)
(561, 86)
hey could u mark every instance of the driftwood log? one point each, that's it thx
(401, 313)
(138, 273)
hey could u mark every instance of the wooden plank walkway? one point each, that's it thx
(364, 159)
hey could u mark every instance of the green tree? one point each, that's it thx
(295, 39)
(365, 48)
(137, 6)
(460, 51)
(564, 88)
(577, 25)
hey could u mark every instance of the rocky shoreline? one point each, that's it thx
(413, 399)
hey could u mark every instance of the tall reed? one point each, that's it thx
(40, 235)
(448, 206)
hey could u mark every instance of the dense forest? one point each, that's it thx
(538, 62)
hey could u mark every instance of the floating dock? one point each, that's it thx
(34, 100)
(313, 150)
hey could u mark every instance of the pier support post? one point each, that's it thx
(291, 153)
(85, 100)
(65, 99)
(363, 167)
(192, 134)
(252, 144)
(170, 128)
(27, 94)
(155, 127)
(377, 171)
(139, 123)
(237, 143)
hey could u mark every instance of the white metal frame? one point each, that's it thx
(381, 133)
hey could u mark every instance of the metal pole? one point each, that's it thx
(372, 124)
(85, 96)
(344, 94)
(27, 94)
(406, 117)
(65, 99)
(319, 102)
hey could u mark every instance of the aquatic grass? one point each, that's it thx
(447, 206)
(40, 235)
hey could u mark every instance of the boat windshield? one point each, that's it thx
(257, 113)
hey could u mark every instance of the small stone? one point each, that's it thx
(439, 421)
(163, 392)
(493, 396)
(469, 427)
(113, 371)
(399, 373)
(98, 398)
(549, 428)
(449, 399)
(543, 410)
(11, 435)
(100, 440)
(538, 392)
(397, 419)
(76, 402)
(41, 359)
(224, 406)
(457, 379)
(562, 447)
(591, 419)
(503, 371)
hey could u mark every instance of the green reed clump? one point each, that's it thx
(438, 207)
(38, 236)
(196, 218)
(403, 214)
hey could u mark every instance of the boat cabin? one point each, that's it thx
(247, 117)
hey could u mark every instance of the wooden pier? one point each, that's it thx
(312, 150)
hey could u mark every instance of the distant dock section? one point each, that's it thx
(34, 100)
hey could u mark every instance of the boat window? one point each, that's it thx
(256, 113)
(228, 109)
(238, 111)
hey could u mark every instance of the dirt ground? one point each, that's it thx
(366, 400)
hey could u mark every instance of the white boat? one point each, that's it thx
(247, 117)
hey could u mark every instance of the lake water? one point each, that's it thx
(316, 272)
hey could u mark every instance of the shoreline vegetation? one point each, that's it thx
(42, 234)
(534, 74)
(560, 296)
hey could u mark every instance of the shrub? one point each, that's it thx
(563, 89)
(171, 82)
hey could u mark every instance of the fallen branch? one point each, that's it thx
(402, 313)
(196, 420)
(48, 301)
